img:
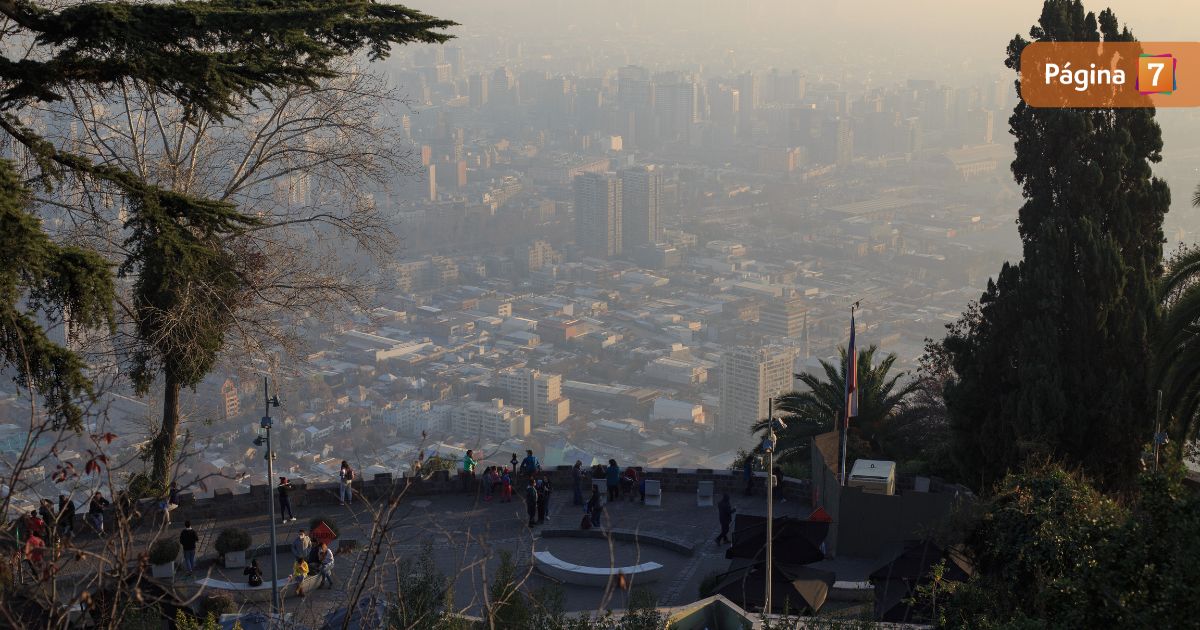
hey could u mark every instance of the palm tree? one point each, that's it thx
(1177, 355)
(881, 405)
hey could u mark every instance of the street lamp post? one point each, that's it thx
(270, 401)
(769, 448)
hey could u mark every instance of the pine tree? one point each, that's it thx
(1054, 359)
(210, 57)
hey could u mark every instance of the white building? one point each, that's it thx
(489, 421)
(538, 393)
(666, 409)
(676, 371)
(749, 378)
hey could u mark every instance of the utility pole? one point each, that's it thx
(268, 402)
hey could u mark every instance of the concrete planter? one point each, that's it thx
(235, 559)
(163, 571)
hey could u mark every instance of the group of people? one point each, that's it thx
(307, 554)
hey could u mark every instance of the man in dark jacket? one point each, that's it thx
(66, 516)
(187, 540)
(543, 499)
(531, 501)
(725, 512)
(285, 504)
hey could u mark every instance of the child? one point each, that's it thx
(508, 489)
(299, 572)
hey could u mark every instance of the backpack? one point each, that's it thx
(349, 474)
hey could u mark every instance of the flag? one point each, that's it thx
(851, 377)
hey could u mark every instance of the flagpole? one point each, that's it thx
(851, 375)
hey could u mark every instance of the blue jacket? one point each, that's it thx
(614, 475)
(530, 464)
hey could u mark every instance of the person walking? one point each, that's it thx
(285, 503)
(325, 556)
(531, 499)
(96, 509)
(66, 516)
(530, 464)
(725, 512)
(187, 541)
(543, 498)
(346, 475)
(577, 483)
(593, 506)
(748, 474)
(613, 480)
(301, 546)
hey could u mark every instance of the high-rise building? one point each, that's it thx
(749, 378)
(785, 317)
(641, 195)
(229, 399)
(750, 99)
(477, 90)
(598, 214)
(540, 394)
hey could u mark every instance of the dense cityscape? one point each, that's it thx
(599, 237)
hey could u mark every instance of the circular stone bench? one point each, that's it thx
(262, 592)
(568, 573)
(625, 535)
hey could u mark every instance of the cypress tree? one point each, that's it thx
(1052, 362)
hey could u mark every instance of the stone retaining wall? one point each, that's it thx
(225, 504)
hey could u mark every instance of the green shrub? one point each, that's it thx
(217, 605)
(708, 586)
(232, 539)
(164, 551)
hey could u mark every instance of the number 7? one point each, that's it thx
(1157, 68)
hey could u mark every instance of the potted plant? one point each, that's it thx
(232, 544)
(216, 605)
(162, 557)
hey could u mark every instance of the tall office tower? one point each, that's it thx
(641, 195)
(837, 141)
(750, 99)
(454, 57)
(676, 106)
(502, 90)
(635, 104)
(477, 89)
(598, 214)
(784, 317)
(539, 394)
(431, 173)
(749, 378)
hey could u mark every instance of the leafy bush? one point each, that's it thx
(217, 605)
(232, 539)
(164, 551)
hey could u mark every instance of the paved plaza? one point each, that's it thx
(467, 535)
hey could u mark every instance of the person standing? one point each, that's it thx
(285, 502)
(487, 484)
(35, 554)
(531, 499)
(96, 512)
(593, 506)
(468, 469)
(187, 541)
(543, 498)
(629, 480)
(325, 556)
(613, 480)
(506, 486)
(577, 483)
(530, 464)
(346, 475)
(302, 546)
(171, 503)
(46, 512)
(66, 516)
(725, 512)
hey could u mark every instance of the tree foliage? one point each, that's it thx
(1050, 362)
(882, 407)
(1177, 351)
(181, 251)
(1052, 550)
